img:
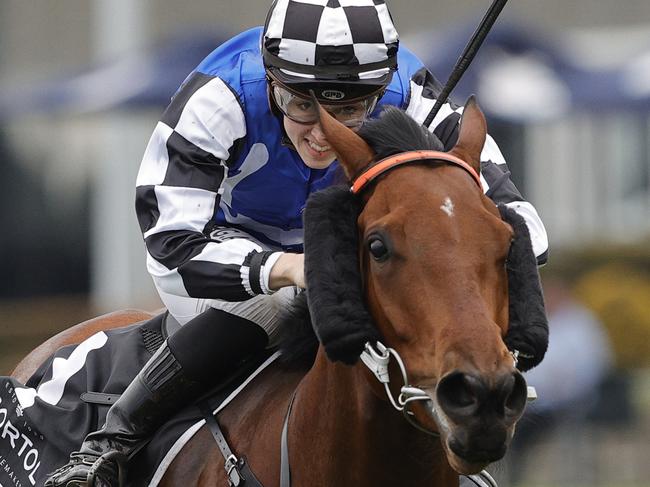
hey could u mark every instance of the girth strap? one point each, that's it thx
(237, 469)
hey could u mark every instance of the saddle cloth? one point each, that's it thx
(44, 420)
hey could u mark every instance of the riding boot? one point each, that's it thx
(161, 388)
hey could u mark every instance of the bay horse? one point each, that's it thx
(408, 267)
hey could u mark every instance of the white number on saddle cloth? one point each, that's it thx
(63, 369)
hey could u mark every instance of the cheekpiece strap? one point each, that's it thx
(411, 156)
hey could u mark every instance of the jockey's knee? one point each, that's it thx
(214, 343)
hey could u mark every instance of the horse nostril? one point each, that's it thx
(458, 394)
(515, 394)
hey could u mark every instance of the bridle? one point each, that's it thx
(377, 357)
(384, 165)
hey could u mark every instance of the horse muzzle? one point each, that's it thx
(476, 416)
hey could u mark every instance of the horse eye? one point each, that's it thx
(378, 249)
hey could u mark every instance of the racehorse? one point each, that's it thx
(409, 271)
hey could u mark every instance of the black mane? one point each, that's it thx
(296, 338)
(395, 131)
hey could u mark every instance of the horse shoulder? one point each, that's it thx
(73, 335)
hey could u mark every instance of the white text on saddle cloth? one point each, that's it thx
(28, 457)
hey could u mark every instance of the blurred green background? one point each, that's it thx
(565, 85)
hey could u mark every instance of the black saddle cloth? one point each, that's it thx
(44, 420)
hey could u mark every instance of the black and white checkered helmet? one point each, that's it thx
(340, 49)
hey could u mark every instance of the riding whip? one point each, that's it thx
(467, 56)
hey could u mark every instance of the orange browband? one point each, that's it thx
(411, 156)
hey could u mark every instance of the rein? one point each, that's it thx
(385, 165)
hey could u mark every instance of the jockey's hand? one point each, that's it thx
(288, 270)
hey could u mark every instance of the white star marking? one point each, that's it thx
(448, 206)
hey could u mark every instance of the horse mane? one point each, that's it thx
(394, 131)
(296, 338)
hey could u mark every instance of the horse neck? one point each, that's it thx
(357, 436)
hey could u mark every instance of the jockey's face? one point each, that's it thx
(310, 143)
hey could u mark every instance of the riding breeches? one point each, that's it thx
(264, 310)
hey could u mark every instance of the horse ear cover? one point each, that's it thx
(336, 305)
(528, 324)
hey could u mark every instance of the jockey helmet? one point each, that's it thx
(342, 51)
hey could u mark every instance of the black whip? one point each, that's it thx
(467, 56)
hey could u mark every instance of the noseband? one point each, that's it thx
(389, 163)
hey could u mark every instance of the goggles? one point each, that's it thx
(303, 110)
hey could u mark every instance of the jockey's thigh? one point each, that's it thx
(264, 309)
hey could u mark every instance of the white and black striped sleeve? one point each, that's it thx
(495, 175)
(177, 194)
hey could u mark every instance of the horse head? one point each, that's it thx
(431, 281)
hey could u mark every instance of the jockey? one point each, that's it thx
(222, 186)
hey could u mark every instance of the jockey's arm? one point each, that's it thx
(178, 189)
(289, 270)
(495, 175)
